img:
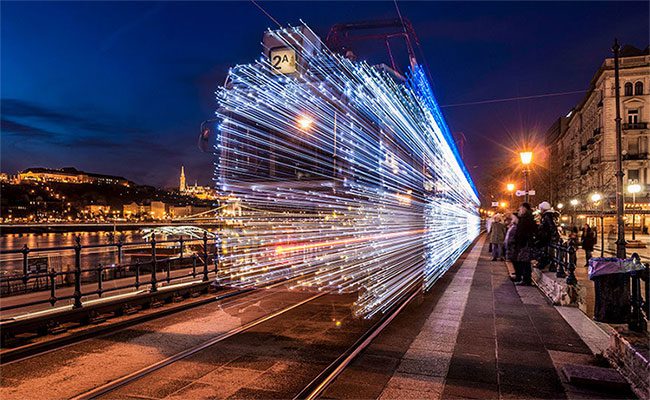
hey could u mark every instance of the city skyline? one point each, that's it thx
(145, 76)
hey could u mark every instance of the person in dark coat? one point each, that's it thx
(497, 237)
(547, 233)
(524, 243)
(588, 242)
(511, 252)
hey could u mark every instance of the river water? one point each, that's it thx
(13, 263)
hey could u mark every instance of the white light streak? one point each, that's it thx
(343, 177)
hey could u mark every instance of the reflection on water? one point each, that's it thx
(61, 260)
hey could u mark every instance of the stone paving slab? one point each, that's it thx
(484, 338)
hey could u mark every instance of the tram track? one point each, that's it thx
(32, 350)
(117, 383)
(311, 390)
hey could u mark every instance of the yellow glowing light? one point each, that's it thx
(635, 188)
(305, 122)
(596, 197)
(510, 187)
(526, 157)
(574, 202)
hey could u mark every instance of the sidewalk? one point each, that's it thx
(484, 338)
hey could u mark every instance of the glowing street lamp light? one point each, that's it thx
(560, 206)
(526, 158)
(510, 187)
(634, 189)
(305, 122)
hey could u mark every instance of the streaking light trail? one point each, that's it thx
(342, 174)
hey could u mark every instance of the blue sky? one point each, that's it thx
(123, 87)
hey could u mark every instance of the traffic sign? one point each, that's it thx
(495, 204)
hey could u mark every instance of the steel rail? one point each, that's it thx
(117, 383)
(316, 387)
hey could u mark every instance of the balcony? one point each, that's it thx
(583, 148)
(597, 132)
(635, 125)
(636, 156)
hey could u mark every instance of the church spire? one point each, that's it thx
(182, 187)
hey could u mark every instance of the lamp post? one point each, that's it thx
(634, 189)
(620, 240)
(510, 187)
(526, 158)
(574, 203)
(596, 197)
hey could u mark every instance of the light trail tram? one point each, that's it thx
(344, 174)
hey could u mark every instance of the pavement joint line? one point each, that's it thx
(117, 383)
(463, 275)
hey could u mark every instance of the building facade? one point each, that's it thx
(69, 175)
(583, 144)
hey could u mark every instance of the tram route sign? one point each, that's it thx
(283, 60)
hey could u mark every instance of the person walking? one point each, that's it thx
(524, 242)
(588, 242)
(573, 237)
(488, 227)
(497, 236)
(509, 243)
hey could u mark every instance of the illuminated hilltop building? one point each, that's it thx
(200, 192)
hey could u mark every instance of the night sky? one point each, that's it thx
(122, 88)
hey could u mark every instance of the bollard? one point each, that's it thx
(154, 287)
(571, 265)
(77, 273)
(205, 256)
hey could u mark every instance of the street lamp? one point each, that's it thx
(526, 158)
(510, 187)
(574, 203)
(634, 189)
(597, 197)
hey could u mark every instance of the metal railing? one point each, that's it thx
(640, 307)
(635, 125)
(149, 270)
(562, 257)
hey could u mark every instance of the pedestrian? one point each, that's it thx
(546, 233)
(524, 242)
(509, 243)
(488, 227)
(588, 242)
(497, 236)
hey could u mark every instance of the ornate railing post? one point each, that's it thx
(77, 272)
(100, 279)
(25, 252)
(154, 287)
(52, 286)
(571, 265)
(559, 250)
(205, 256)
